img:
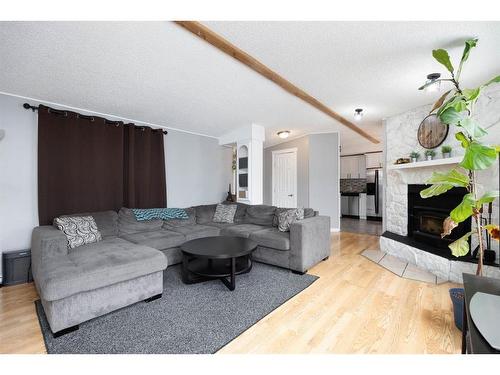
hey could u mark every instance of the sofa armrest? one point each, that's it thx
(47, 242)
(309, 242)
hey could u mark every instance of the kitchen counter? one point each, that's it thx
(351, 194)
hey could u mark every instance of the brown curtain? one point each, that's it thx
(144, 168)
(84, 165)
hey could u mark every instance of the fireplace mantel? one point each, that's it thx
(427, 163)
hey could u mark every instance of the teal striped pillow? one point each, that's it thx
(142, 214)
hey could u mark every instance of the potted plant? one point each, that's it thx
(455, 108)
(414, 155)
(446, 151)
(429, 154)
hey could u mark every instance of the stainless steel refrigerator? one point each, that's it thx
(374, 192)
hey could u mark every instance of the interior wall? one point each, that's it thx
(302, 145)
(318, 173)
(324, 173)
(198, 171)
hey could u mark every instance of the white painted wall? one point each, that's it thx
(198, 171)
(318, 173)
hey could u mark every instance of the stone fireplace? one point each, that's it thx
(426, 217)
(413, 225)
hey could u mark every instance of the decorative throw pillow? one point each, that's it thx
(289, 216)
(224, 213)
(142, 214)
(79, 230)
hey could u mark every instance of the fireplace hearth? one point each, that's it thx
(426, 217)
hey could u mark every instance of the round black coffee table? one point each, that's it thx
(216, 258)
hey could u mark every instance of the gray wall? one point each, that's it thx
(302, 145)
(324, 175)
(317, 173)
(198, 171)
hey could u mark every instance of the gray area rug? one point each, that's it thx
(198, 318)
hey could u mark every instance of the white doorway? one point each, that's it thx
(284, 178)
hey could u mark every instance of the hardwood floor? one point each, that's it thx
(356, 306)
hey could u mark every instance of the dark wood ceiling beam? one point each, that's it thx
(227, 47)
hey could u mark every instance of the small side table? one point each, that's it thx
(472, 340)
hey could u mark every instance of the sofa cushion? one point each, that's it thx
(97, 265)
(287, 217)
(260, 215)
(79, 230)
(241, 210)
(128, 224)
(106, 221)
(224, 213)
(197, 231)
(173, 223)
(205, 213)
(164, 213)
(160, 239)
(220, 225)
(241, 230)
(308, 212)
(272, 237)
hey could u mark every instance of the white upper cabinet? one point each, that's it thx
(374, 160)
(353, 166)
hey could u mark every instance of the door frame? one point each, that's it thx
(293, 150)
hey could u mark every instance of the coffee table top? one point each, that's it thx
(220, 247)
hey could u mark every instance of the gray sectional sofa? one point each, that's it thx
(76, 285)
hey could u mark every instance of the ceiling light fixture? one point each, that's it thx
(358, 114)
(433, 83)
(284, 134)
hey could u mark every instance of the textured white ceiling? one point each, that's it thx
(159, 73)
(377, 66)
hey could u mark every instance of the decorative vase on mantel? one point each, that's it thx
(446, 155)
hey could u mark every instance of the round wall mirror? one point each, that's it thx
(432, 132)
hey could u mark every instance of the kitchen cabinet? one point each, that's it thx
(375, 160)
(349, 205)
(353, 166)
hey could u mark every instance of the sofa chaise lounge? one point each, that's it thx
(126, 266)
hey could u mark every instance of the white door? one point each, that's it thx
(284, 178)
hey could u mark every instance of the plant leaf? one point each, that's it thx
(493, 230)
(450, 116)
(469, 44)
(440, 101)
(453, 177)
(472, 94)
(464, 210)
(463, 139)
(460, 247)
(493, 80)
(442, 57)
(472, 128)
(448, 226)
(434, 190)
(478, 157)
(488, 197)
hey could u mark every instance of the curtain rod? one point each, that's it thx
(35, 108)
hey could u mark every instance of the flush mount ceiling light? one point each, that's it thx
(283, 134)
(358, 114)
(433, 82)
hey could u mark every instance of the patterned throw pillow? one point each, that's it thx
(224, 213)
(142, 214)
(79, 230)
(289, 216)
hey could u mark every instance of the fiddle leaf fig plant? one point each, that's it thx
(455, 108)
